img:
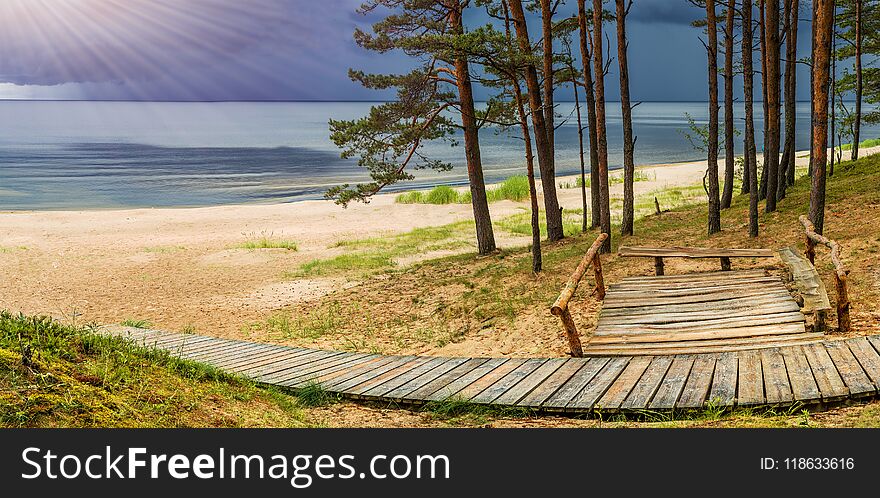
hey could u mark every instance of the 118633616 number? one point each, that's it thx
(819, 463)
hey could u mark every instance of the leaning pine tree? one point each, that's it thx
(388, 142)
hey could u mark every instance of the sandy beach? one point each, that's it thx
(181, 268)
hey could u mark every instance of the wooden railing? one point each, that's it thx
(560, 307)
(844, 323)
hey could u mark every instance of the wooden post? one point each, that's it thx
(560, 307)
(844, 324)
(657, 206)
(725, 264)
(600, 279)
(819, 321)
(658, 266)
(571, 333)
(810, 253)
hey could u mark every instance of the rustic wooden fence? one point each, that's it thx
(844, 323)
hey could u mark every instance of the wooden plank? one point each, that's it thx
(563, 396)
(807, 280)
(592, 392)
(727, 323)
(720, 297)
(267, 356)
(382, 389)
(306, 368)
(222, 360)
(627, 285)
(385, 382)
(267, 370)
(647, 386)
(309, 373)
(452, 389)
(402, 392)
(693, 288)
(850, 371)
(524, 387)
(751, 379)
(696, 389)
(225, 351)
(724, 380)
(481, 384)
(435, 385)
(734, 304)
(875, 341)
(703, 276)
(553, 383)
(867, 357)
(634, 337)
(720, 344)
(673, 383)
(624, 384)
(831, 385)
(359, 373)
(270, 359)
(692, 252)
(695, 316)
(777, 388)
(803, 385)
(336, 371)
(508, 382)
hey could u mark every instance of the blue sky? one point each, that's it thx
(277, 50)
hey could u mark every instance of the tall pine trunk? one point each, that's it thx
(857, 123)
(712, 51)
(601, 136)
(749, 153)
(533, 88)
(771, 150)
(589, 88)
(823, 22)
(482, 218)
(577, 107)
(762, 26)
(626, 112)
(786, 166)
(549, 79)
(729, 154)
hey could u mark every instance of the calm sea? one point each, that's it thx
(89, 155)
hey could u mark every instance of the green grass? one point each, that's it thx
(515, 188)
(138, 324)
(282, 326)
(613, 179)
(267, 242)
(54, 375)
(367, 256)
(313, 395)
(872, 142)
(457, 411)
(7, 250)
(164, 249)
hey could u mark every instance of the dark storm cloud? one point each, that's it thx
(676, 12)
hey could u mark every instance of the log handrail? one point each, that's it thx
(560, 307)
(844, 324)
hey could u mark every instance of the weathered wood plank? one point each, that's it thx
(673, 383)
(245, 364)
(831, 385)
(481, 384)
(265, 371)
(685, 318)
(402, 392)
(339, 382)
(513, 395)
(692, 252)
(553, 383)
(647, 386)
(624, 384)
(452, 389)
(720, 297)
(634, 336)
(756, 302)
(777, 388)
(345, 385)
(807, 280)
(447, 378)
(751, 379)
(696, 389)
(724, 380)
(311, 372)
(651, 322)
(592, 392)
(563, 396)
(305, 368)
(867, 357)
(850, 371)
(803, 384)
(702, 276)
(336, 371)
(719, 345)
(380, 389)
(508, 382)
(694, 288)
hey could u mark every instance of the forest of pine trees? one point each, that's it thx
(529, 51)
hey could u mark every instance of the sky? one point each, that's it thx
(281, 50)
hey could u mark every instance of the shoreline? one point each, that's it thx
(187, 268)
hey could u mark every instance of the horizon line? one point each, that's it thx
(316, 101)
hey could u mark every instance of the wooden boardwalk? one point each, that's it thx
(698, 313)
(815, 373)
